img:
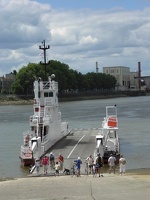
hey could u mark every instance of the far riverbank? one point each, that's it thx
(28, 100)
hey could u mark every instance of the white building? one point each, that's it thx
(122, 75)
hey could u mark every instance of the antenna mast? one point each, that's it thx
(44, 48)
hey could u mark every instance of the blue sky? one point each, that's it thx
(97, 4)
(80, 33)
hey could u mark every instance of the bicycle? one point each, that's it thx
(73, 170)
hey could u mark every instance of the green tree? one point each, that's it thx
(97, 81)
(68, 79)
(23, 83)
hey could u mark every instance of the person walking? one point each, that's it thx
(60, 161)
(52, 160)
(122, 164)
(98, 164)
(78, 165)
(112, 163)
(45, 164)
(90, 161)
(37, 165)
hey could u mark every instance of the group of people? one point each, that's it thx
(112, 164)
(95, 166)
(50, 160)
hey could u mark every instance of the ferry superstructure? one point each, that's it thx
(46, 127)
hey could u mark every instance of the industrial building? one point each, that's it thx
(127, 80)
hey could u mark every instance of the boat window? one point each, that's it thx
(50, 94)
(45, 94)
(111, 134)
(36, 109)
(45, 130)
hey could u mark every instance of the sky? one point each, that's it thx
(79, 32)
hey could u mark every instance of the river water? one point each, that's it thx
(134, 129)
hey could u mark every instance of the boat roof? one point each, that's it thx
(99, 136)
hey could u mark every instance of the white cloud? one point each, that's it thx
(88, 40)
(78, 38)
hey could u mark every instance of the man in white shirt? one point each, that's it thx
(90, 163)
(122, 165)
(111, 163)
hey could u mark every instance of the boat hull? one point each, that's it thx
(26, 161)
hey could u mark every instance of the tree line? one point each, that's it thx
(69, 80)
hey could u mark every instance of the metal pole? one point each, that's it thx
(44, 48)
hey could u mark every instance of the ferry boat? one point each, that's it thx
(107, 140)
(46, 127)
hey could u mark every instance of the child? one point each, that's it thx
(56, 169)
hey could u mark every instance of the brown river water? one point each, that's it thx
(134, 129)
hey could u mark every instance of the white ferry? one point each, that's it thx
(107, 140)
(46, 127)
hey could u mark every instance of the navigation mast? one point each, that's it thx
(44, 48)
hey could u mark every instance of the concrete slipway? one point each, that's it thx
(110, 187)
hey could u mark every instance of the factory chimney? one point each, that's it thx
(97, 67)
(139, 75)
